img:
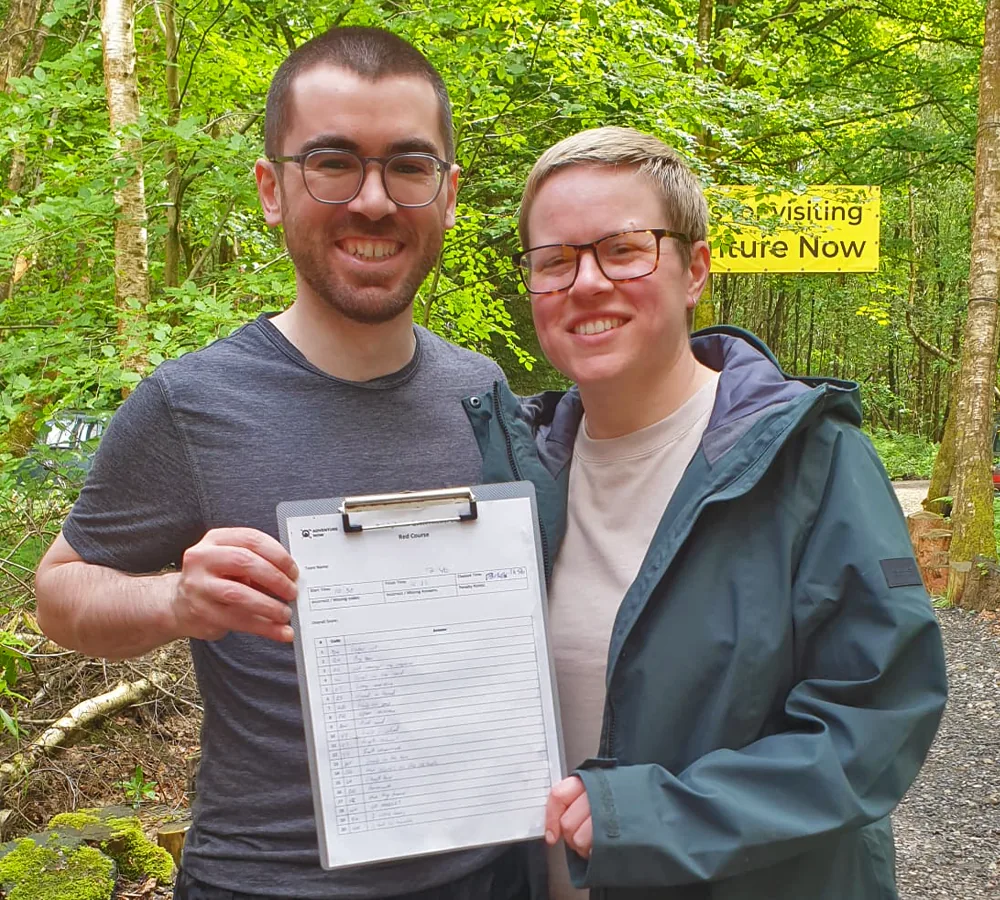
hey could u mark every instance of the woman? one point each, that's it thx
(749, 670)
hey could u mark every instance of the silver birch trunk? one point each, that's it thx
(121, 88)
(972, 514)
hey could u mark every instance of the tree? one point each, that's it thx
(20, 47)
(131, 266)
(172, 243)
(771, 93)
(972, 515)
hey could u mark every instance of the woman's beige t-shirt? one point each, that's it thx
(618, 490)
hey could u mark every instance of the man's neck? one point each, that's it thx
(616, 409)
(346, 349)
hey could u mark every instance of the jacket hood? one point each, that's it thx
(751, 386)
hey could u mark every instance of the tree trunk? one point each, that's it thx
(16, 37)
(982, 586)
(944, 464)
(131, 266)
(171, 838)
(936, 428)
(779, 319)
(286, 32)
(922, 387)
(172, 246)
(22, 40)
(893, 385)
(794, 369)
(911, 287)
(809, 346)
(75, 723)
(972, 516)
(725, 13)
(931, 539)
(706, 12)
(767, 309)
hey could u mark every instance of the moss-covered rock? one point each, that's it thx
(121, 838)
(32, 871)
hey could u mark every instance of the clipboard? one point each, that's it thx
(425, 675)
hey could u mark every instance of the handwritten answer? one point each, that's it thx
(426, 724)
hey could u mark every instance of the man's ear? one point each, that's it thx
(451, 188)
(269, 191)
(698, 270)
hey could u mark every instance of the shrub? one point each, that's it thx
(904, 455)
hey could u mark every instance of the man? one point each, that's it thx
(339, 394)
(750, 673)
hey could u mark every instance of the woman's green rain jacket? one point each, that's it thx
(775, 674)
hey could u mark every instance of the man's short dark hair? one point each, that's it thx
(371, 53)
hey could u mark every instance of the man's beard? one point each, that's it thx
(369, 305)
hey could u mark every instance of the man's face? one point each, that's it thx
(367, 258)
(602, 332)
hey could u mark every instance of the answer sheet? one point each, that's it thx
(427, 688)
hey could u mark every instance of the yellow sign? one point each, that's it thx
(829, 228)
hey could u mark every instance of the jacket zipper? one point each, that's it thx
(608, 749)
(517, 471)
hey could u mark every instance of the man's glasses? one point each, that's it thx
(621, 257)
(336, 176)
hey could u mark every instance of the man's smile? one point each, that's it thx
(367, 248)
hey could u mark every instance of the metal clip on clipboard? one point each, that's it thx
(406, 498)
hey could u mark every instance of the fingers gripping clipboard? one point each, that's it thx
(427, 686)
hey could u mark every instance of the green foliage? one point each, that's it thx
(904, 455)
(780, 98)
(12, 664)
(33, 872)
(29, 508)
(137, 788)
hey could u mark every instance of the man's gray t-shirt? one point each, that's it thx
(218, 438)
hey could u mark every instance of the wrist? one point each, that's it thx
(168, 621)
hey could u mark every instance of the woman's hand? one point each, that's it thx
(567, 816)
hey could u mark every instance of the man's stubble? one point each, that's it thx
(369, 304)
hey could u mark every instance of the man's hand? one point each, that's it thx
(229, 581)
(567, 815)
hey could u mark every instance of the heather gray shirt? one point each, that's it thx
(219, 438)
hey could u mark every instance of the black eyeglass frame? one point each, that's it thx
(383, 161)
(658, 233)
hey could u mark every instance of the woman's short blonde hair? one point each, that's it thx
(686, 207)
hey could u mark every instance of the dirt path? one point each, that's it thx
(910, 494)
(948, 825)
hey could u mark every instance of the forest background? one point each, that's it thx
(775, 94)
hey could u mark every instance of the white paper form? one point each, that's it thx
(427, 682)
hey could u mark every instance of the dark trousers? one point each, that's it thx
(503, 879)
